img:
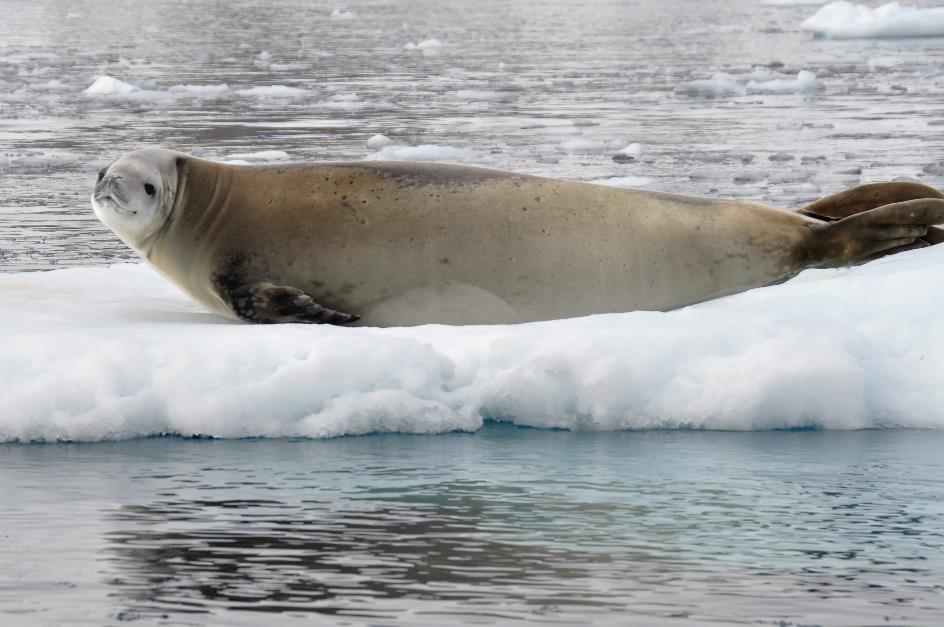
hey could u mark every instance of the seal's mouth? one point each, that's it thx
(107, 203)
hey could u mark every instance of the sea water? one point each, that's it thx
(771, 458)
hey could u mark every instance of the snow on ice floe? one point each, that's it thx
(110, 86)
(845, 20)
(423, 152)
(78, 362)
(759, 81)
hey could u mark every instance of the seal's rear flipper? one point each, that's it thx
(865, 197)
(263, 302)
(877, 232)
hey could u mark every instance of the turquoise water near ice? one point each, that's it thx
(503, 525)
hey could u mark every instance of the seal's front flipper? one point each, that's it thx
(263, 302)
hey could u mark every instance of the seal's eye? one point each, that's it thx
(101, 174)
(148, 189)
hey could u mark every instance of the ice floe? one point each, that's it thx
(845, 20)
(378, 141)
(423, 152)
(78, 362)
(758, 81)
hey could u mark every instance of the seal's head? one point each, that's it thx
(134, 196)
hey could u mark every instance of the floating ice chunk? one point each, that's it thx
(423, 152)
(109, 86)
(73, 16)
(427, 45)
(479, 95)
(200, 91)
(261, 155)
(345, 97)
(378, 141)
(758, 81)
(804, 83)
(342, 14)
(273, 91)
(82, 363)
(721, 84)
(845, 20)
(581, 146)
(625, 181)
(634, 150)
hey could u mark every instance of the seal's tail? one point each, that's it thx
(870, 196)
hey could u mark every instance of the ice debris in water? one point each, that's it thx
(260, 156)
(625, 181)
(427, 45)
(273, 91)
(845, 20)
(633, 150)
(378, 141)
(109, 86)
(139, 358)
(758, 81)
(342, 14)
(200, 90)
(423, 152)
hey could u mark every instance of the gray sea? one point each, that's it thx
(506, 524)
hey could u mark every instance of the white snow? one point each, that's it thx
(845, 20)
(423, 152)
(378, 141)
(758, 81)
(79, 362)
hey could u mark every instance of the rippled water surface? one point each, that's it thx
(778, 528)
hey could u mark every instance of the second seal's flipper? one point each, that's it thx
(263, 302)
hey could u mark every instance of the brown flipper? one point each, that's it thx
(874, 233)
(869, 196)
(263, 302)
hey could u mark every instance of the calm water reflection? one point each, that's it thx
(504, 524)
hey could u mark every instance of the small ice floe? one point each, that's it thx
(423, 152)
(342, 14)
(625, 181)
(109, 86)
(378, 141)
(273, 91)
(200, 91)
(757, 82)
(427, 46)
(628, 153)
(73, 16)
(482, 95)
(582, 146)
(845, 20)
(260, 156)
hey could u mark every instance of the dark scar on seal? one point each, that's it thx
(260, 301)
